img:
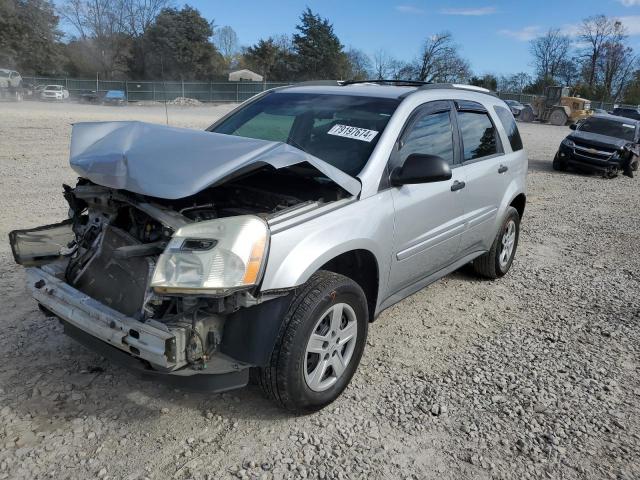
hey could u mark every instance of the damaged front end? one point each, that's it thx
(171, 285)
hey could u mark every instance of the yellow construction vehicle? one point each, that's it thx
(556, 107)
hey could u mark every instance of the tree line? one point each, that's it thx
(145, 39)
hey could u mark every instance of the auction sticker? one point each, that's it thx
(353, 132)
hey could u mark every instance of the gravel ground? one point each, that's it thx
(535, 375)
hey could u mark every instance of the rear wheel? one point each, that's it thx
(526, 115)
(558, 117)
(497, 261)
(319, 345)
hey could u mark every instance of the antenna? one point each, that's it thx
(164, 90)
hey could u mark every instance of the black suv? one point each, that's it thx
(627, 112)
(601, 143)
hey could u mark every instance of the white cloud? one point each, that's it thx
(409, 9)
(470, 12)
(630, 3)
(524, 34)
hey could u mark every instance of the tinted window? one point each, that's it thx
(609, 128)
(432, 135)
(510, 127)
(340, 129)
(478, 135)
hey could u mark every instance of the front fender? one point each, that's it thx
(297, 252)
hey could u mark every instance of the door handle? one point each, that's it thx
(457, 185)
(503, 168)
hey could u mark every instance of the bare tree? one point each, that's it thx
(384, 65)
(616, 64)
(549, 52)
(358, 65)
(596, 32)
(226, 41)
(440, 61)
(100, 25)
(139, 14)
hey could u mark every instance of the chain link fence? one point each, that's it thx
(160, 91)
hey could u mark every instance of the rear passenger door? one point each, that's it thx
(429, 216)
(486, 170)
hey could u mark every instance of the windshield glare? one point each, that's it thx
(340, 129)
(610, 128)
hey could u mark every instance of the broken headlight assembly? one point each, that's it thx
(213, 257)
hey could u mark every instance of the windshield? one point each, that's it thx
(340, 129)
(4, 74)
(512, 103)
(608, 127)
(53, 87)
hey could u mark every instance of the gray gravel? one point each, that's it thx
(535, 375)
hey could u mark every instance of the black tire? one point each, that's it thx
(489, 265)
(283, 380)
(526, 115)
(558, 118)
(559, 165)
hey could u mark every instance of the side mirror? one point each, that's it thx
(418, 168)
(573, 126)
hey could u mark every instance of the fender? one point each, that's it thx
(296, 253)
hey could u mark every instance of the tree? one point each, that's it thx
(226, 41)
(178, 45)
(549, 52)
(595, 32)
(487, 81)
(263, 57)
(319, 53)
(29, 36)
(440, 61)
(358, 65)
(383, 64)
(101, 32)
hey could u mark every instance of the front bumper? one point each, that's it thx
(149, 349)
(585, 160)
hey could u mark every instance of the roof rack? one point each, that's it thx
(400, 83)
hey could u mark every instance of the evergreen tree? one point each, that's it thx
(319, 53)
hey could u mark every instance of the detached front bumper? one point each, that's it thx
(150, 349)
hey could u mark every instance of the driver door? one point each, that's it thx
(428, 217)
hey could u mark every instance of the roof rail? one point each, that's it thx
(457, 86)
(312, 83)
(406, 83)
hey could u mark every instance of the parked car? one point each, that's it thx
(90, 96)
(515, 107)
(600, 111)
(605, 144)
(10, 85)
(54, 92)
(272, 239)
(114, 97)
(627, 112)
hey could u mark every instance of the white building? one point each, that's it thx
(240, 75)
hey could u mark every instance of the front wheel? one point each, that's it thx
(497, 261)
(319, 345)
(558, 164)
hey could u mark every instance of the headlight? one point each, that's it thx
(567, 142)
(213, 257)
(587, 106)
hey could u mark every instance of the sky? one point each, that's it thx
(493, 35)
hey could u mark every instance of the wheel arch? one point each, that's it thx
(519, 202)
(361, 266)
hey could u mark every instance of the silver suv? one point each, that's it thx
(272, 240)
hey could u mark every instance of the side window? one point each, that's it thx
(478, 135)
(510, 127)
(431, 135)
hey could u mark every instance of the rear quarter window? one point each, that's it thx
(510, 127)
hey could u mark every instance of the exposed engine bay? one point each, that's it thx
(113, 241)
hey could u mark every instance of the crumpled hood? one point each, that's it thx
(169, 162)
(597, 141)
